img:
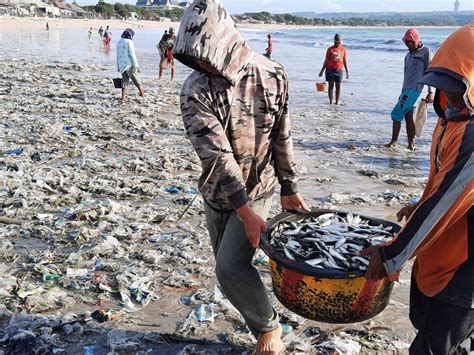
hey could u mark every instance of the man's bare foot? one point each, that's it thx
(411, 147)
(141, 91)
(390, 145)
(269, 343)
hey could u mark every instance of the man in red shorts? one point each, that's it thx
(166, 47)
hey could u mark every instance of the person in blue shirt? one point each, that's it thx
(127, 63)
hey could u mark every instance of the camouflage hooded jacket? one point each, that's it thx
(247, 89)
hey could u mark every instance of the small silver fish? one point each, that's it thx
(329, 241)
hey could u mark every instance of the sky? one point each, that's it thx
(279, 6)
(289, 6)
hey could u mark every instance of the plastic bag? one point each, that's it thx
(420, 118)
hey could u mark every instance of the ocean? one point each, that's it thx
(375, 58)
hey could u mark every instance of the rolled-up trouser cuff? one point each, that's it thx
(273, 324)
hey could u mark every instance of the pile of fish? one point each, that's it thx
(328, 241)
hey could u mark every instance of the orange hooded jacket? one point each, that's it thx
(440, 233)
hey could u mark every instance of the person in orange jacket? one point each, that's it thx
(440, 228)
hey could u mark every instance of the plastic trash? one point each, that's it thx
(339, 345)
(160, 238)
(100, 316)
(203, 313)
(286, 329)
(420, 117)
(35, 157)
(16, 151)
(99, 265)
(88, 350)
(192, 191)
(117, 340)
(173, 189)
(28, 291)
(51, 277)
(76, 272)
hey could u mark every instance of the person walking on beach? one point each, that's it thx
(47, 26)
(417, 61)
(90, 34)
(162, 44)
(107, 37)
(101, 33)
(440, 228)
(166, 48)
(127, 63)
(235, 111)
(269, 50)
(334, 64)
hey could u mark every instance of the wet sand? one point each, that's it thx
(91, 191)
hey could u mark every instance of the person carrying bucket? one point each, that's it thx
(334, 65)
(234, 107)
(439, 231)
(417, 61)
(127, 63)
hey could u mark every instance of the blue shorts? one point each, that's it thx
(334, 75)
(406, 103)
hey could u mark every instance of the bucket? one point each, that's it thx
(117, 83)
(321, 86)
(330, 296)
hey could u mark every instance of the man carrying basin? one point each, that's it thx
(234, 107)
(440, 228)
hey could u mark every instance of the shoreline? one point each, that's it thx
(14, 24)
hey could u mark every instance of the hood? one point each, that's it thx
(455, 57)
(208, 33)
(412, 35)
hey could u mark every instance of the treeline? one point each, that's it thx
(289, 19)
(119, 10)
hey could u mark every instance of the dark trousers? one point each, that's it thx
(234, 270)
(443, 328)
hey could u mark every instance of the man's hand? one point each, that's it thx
(406, 212)
(376, 270)
(294, 202)
(254, 224)
(321, 73)
(347, 76)
(429, 98)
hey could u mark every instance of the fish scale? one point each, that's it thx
(328, 241)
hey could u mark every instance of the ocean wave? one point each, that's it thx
(360, 46)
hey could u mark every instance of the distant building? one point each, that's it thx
(78, 11)
(456, 5)
(48, 8)
(163, 4)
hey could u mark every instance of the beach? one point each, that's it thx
(91, 191)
